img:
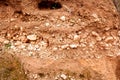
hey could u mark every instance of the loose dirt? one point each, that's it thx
(64, 40)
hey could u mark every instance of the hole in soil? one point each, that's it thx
(49, 5)
(41, 75)
(18, 12)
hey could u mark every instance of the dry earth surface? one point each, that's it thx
(64, 40)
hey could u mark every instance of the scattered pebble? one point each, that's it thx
(109, 39)
(82, 45)
(55, 48)
(35, 76)
(47, 24)
(37, 46)
(31, 47)
(63, 18)
(63, 76)
(96, 17)
(23, 38)
(18, 43)
(98, 38)
(76, 37)
(58, 25)
(95, 33)
(65, 46)
(73, 46)
(6, 41)
(12, 19)
(43, 44)
(32, 37)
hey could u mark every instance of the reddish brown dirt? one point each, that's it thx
(79, 41)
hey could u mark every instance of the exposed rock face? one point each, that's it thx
(77, 41)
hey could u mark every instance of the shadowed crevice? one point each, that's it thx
(49, 5)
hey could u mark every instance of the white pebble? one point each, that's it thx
(95, 16)
(6, 41)
(47, 24)
(64, 46)
(18, 43)
(76, 37)
(95, 33)
(36, 46)
(109, 39)
(55, 48)
(63, 18)
(43, 44)
(32, 37)
(12, 19)
(63, 76)
(30, 47)
(73, 46)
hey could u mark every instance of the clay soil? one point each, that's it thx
(64, 40)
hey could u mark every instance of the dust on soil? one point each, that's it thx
(78, 41)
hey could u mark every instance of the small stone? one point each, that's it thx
(98, 38)
(82, 45)
(32, 37)
(31, 47)
(63, 18)
(92, 44)
(23, 39)
(72, 21)
(95, 16)
(55, 48)
(35, 76)
(76, 37)
(21, 28)
(63, 76)
(73, 46)
(58, 25)
(108, 39)
(65, 46)
(12, 47)
(6, 41)
(47, 24)
(95, 33)
(18, 43)
(12, 19)
(36, 46)
(43, 44)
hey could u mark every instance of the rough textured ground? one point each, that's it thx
(79, 41)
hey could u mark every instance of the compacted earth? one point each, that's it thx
(59, 40)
